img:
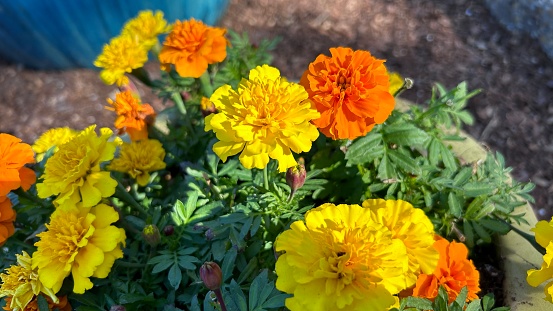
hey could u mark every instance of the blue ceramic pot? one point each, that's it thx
(62, 34)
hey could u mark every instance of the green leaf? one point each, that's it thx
(260, 290)
(461, 298)
(175, 276)
(187, 262)
(474, 306)
(228, 263)
(162, 266)
(235, 299)
(385, 169)
(406, 163)
(365, 149)
(42, 303)
(447, 157)
(404, 134)
(419, 303)
(250, 269)
(228, 167)
(482, 233)
(454, 204)
(469, 234)
(495, 225)
(476, 188)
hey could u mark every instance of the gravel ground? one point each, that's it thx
(429, 41)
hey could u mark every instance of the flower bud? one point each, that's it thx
(295, 177)
(211, 275)
(151, 235)
(168, 230)
(207, 107)
(117, 308)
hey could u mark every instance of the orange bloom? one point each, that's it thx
(454, 271)
(7, 217)
(191, 46)
(62, 305)
(133, 117)
(351, 91)
(13, 156)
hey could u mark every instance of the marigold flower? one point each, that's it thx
(544, 236)
(21, 285)
(414, 229)
(7, 217)
(133, 117)
(454, 271)
(52, 138)
(351, 91)
(13, 156)
(73, 173)
(339, 259)
(191, 46)
(123, 54)
(146, 27)
(138, 159)
(78, 241)
(207, 107)
(267, 117)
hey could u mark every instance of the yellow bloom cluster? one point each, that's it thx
(52, 139)
(352, 257)
(73, 173)
(139, 158)
(544, 237)
(78, 241)
(266, 117)
(129, 51)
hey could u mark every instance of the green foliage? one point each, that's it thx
(441, 303)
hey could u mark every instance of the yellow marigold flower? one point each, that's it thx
(133, 117)
(138, 159)
(544, 237)
(73, 173)
(396, 82)
(123, 54)
(267, 117)
(411, 226)
(61, 305)
(339, 259)
(52, 139)
(192, 46)
(21, 284)
(78, 241)
(146, 27)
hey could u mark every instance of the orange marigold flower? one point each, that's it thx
(62, 305)
(7, 217)
(191, 46)
(454, 271)
(351, 91)
(133, 117)
(13, 156)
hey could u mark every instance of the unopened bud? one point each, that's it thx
(211, 275)
(151, 235)
(207, 107)
(295, 177)
(168, 230)
(117, 308)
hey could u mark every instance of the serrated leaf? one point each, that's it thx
(474, 306)
(260, 290)
(404, 162)
(175, 276)
(454, 204)
(235, 298)
(164, 265)
(477, 188)
(228, 167)
(419, 303)
(255, 225)
(187, 262)
(404, 134)
(228, 263)
(385, 169)
(462, 296)
(365, 149)
(447, 157)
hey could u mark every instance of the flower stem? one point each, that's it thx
(205, 83)
(219, 296)
(528, 237)
(265, 178)
(177, 98)
(126, 197)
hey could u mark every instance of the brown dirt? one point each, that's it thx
(429, 41)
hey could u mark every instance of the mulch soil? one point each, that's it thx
(430, 41)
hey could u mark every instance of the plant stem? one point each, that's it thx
(265, 178)
(528, 237)
(177, 98)
(205, 83)
(126, 197)
(219, 296)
